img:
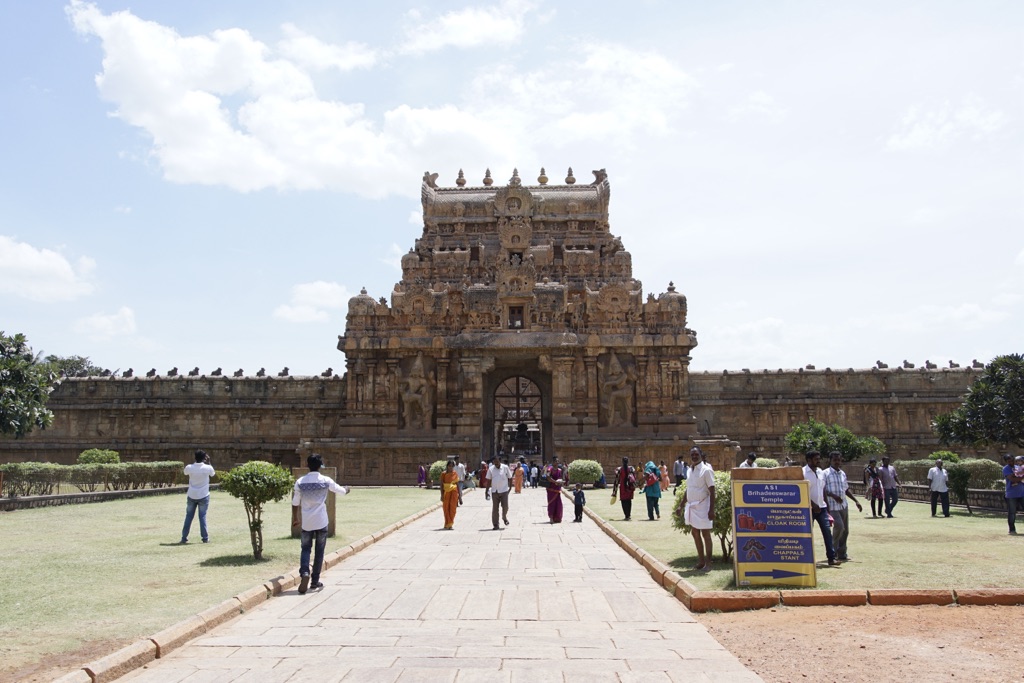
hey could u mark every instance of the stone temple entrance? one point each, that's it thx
(517, 323)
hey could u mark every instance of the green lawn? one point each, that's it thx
(912, 550)
(87, 578)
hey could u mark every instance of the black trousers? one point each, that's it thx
(627, 507)
(944, 495)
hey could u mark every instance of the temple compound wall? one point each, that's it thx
(517, 326)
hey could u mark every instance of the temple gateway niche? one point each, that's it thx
(517, 325)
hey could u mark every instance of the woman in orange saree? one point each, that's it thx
(517, 478)
(449, 494)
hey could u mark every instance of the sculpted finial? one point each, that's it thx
(542, 178)
(488, 180)
(461, 180)
(570, 179)
(514, 181)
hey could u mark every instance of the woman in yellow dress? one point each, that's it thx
(449, 494)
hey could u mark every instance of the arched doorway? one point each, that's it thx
(518, 418)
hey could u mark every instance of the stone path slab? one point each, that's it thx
(531, 602)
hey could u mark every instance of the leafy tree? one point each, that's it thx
(435, 471)
(256, 483)
(24, 388)
(959, 482)
(723, 513)
(993, 411)
(94, 456)
(70, 366)
(814, 435)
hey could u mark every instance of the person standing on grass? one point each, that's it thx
(679, 471)
(309, 513)
(499, 474)
(652, 490)
(198, 496)
(837, 490)
(890, 485)
(699, 506)
(938, 484)
(819, 510)
(1014, 493)
(873, 486)
(625, 482)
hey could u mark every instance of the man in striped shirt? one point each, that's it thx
(837, 490)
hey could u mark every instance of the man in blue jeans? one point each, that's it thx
(309, 510)
(819, 509)
(1014, 493)
(198, 497)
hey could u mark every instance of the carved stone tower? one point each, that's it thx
(517, 325)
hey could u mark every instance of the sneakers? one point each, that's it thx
(317, 586)
(506, 521)
(304, 584)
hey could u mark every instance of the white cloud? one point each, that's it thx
(101, 327)
(41, 274)
(758, 105)
(395, 254)
(123, 209)
(312, 53)
(939, 127)
(466, 28)
(224, 109)
(313, 302)
(1019, 261)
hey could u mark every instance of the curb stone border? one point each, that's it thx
(159, 645)
(697, 600)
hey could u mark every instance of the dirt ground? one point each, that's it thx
(874, 644)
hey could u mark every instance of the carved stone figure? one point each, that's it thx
(416, 393)
(194, 372)
(239, 373)
(617, 393)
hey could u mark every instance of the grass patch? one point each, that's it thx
(113, 572)
(912, 550)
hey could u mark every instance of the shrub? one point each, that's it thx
(95, 456)
(256, 483)
(723, 512)
(41, 478)
(436, 470)
(959, 482)
(982, 471)
(947, 457)
(585, 471)
(914, 471)
(766, 462)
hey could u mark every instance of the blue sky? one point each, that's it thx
(207, 184)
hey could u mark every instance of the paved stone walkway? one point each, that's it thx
(533, 602)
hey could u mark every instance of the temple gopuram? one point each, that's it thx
(517, 325)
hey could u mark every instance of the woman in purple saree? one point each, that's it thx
(556, 477)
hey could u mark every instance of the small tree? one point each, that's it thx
(256, 483)
(993, 411)
(814, 435)
(24, 388)
(723, 512)
(435, 471)
(959, 482)
(98, 456)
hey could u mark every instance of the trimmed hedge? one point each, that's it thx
(44, 479)
(585, 471)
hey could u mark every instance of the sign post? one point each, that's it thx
(771, 527)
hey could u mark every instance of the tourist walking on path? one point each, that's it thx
(625, 484)
(309, 512)
(819, 509)
(198, 496)
(1014, 493)
(460, 471)
(579, 499)
(938, 484)
(699, 506)
(679, 471)
(890, 485)
(534, 475)
(485, 481)
(652, 490)
(873, 487)
(449, 493)
(517, 477)
(500, 475)
(837, 490)
(665, 483)
(421, 477)
(556, 477)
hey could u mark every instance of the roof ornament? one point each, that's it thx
(488, 180)
(461, 180)
(570, 179)
(430, 179)
(515, 181)
(542, 178)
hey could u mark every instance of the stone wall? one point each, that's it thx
(238, 419)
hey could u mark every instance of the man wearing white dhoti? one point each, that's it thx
(699, 506)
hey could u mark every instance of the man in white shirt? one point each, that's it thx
(198, 497)
(699, 506)
(819, 511)
(309, 510)
(460, 470)
(499, 474)
(938, 484)
(679, 471)
(751, 460)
